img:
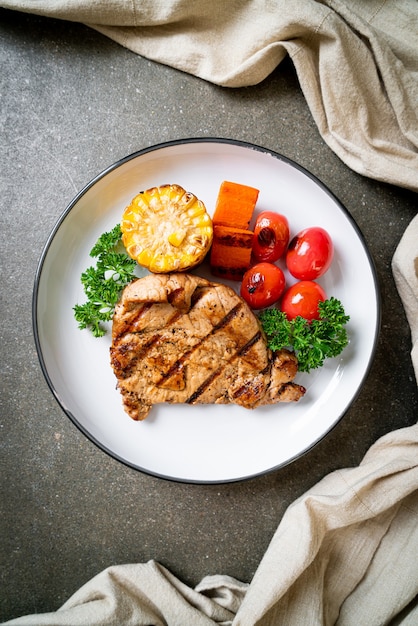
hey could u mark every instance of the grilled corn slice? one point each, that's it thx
(166, 229)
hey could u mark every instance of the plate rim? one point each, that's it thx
(153, 148)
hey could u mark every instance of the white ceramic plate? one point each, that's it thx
(205, 443)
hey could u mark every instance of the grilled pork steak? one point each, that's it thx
(180, 338)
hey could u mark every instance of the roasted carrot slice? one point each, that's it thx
(231, 252)
(235, 205)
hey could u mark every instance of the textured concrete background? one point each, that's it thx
(72, 103)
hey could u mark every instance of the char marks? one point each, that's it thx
(178, 338)
(218, 373)
(183, 358)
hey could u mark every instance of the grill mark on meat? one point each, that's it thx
(129, 323)
(176, 367)
(179, 313)
(177, 299)
(248, 387)
(145, 307)
(125, 370)
(198, 392)
(243, 350)
(175, 295)
(196, 296)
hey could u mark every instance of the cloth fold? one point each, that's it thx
(405, 273)
(357, 62)
(346, 542)
(142, 594)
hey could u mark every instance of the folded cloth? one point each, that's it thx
(345, 553)
(357, 62)
(145, 594)
(405, 273)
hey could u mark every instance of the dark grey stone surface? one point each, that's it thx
(72, 103)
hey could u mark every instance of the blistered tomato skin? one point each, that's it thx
(271, 237)
(302, 299)
(310, 253)
(262, 285)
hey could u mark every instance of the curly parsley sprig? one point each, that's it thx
(104, 282)
(312, 342)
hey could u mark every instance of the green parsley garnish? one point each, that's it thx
(103, 283)
(312, 342)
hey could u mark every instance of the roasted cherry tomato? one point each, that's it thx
(302, 299)
(262, 285)
(271, 236)
(310, 253)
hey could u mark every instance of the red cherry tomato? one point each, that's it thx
(310, 253)
(302, 299)
(262, 285)
(271, 236)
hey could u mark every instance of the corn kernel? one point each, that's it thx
(177, 238)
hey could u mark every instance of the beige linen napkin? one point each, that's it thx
(405, 272)
(345, 553)
(144, 594)
(357, 61)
